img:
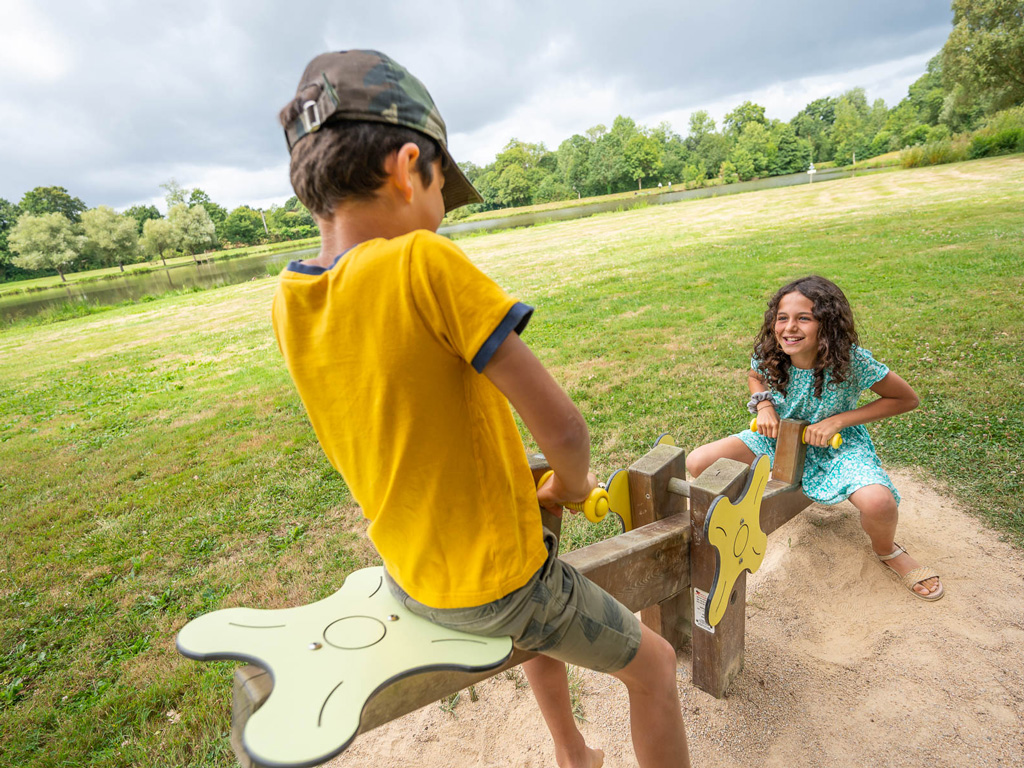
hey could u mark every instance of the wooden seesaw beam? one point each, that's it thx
(652, 568)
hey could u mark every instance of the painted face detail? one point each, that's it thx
(796, 330)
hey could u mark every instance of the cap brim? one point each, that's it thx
(458, 190)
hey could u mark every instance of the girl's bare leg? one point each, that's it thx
(878, 517)
(726, 448)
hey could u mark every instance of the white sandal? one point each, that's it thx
(914, 577)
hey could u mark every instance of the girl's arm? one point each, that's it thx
(895, 396)
(767, 418)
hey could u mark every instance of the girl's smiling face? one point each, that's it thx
(796, 330)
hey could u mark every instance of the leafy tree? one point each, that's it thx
(174, 194)
(158, 238)
(243, 225)
(573, 162)
(694, 175)
(513, 187)
(850, 132)
(642, 157)
(291, 221)
(901, 120)
(792, 154)
(814, 123)
(472, 171)
(745, 114)
(217, 212)
(728, 173)
(551, 189)
(9, 213)
(743, 162)
(52, 200)
(984, 54)
(193, 230)
(141, 214)
(926, 94)
(109, 238)
(45, 241)
(705, 146)
(701, 125)
(606, 167)
(674, 154)
(754, 152)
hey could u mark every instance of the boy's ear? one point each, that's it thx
(400, 166)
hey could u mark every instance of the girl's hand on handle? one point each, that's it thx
(552, 494)
(767, 421)
(821, 434)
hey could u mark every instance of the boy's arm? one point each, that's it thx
(552, 418)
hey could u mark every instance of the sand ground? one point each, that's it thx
(843, 666)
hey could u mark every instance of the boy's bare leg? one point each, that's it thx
(550, 686)
(656, 720)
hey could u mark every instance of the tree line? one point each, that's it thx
(978, 73)
(49, 231)
(976, 77)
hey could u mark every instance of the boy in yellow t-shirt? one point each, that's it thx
(406, 358)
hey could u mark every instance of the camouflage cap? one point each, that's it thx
(367, 85)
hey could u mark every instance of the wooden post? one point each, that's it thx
(651, 501)
(790, 452)
(717, 651)
(783, 499)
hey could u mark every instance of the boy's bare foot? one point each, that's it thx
(903, 564)
(591, 758)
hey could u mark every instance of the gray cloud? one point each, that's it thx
(120, 97)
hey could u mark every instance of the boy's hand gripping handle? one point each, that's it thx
(595, 506)
(835, 442)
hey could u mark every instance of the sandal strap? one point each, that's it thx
(896, 553)
(916, 576)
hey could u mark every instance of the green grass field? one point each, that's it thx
(157, 464)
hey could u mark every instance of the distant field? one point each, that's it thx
(157, 464)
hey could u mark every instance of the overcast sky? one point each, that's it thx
(111, 98)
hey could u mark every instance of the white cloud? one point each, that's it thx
(30, 49)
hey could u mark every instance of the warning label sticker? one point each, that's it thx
(700, 602)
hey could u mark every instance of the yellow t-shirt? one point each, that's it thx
(386, 349)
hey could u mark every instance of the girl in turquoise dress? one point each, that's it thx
(807, 365)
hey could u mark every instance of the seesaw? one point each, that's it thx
(318, 675)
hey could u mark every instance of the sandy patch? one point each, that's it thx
(843, 667)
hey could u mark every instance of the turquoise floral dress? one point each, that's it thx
(830, 475)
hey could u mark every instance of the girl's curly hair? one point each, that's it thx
(836, 335)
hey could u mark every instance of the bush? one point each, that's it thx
(935, 153)
(1002, 134)
(1002, 142)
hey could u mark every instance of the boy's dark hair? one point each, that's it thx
(836, 335)
(345, 159)
(350, 111)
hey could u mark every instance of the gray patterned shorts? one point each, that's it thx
(558, 612)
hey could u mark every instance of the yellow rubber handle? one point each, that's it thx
(835, 442)
(594, 507)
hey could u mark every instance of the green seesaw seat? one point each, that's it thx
(327, 660)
